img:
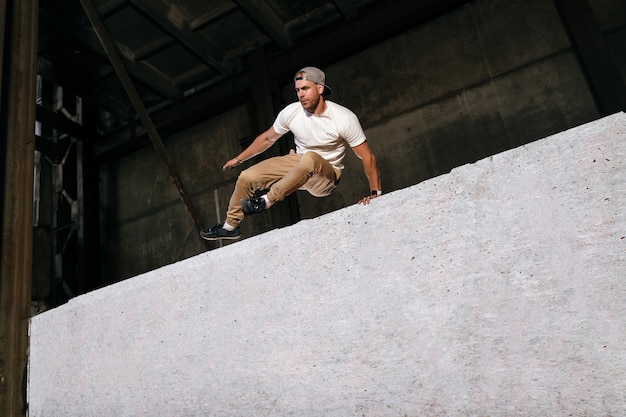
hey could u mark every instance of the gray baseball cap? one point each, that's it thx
(315, 75)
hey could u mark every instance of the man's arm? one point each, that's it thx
(260, 144)
(365, 154)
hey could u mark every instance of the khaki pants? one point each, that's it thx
(283, 175)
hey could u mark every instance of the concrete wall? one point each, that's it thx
(484, 78)
(496, 289)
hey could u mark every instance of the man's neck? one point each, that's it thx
(321, 106)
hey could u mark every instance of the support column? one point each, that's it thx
(594, 54)
(263, 90)
(17, 123)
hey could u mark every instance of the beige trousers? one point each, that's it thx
(283, 175)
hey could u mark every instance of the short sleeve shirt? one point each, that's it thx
(329, 134)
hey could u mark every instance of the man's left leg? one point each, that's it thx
(257, 177)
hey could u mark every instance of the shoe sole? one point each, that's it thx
(221, 237)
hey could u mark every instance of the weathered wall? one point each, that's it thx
(497, 289)
(145, 224)
(487, 77)
(611, 17)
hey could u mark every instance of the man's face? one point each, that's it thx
(309, 94)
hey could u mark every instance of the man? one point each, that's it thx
(322, 130)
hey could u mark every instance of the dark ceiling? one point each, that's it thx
(174, 51)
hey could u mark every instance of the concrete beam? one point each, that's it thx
(497, 289)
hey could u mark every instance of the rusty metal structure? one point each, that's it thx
(18, 21)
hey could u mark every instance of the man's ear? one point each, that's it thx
(320, 88)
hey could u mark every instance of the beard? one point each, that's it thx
(310, 105)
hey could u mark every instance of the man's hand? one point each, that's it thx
(232, 164)
(366, 200)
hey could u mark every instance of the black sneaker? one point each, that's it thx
(253, 205)
(218, 232)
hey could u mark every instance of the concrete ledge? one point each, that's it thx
(497, 289)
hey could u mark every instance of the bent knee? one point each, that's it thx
(246, 175)
(311, 159)
(247, 179)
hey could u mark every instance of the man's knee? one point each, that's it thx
(247, 180)
(245, 175)
(311, 160)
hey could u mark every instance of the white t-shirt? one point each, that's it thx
(328, 133)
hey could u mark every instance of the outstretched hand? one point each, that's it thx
(232, 164)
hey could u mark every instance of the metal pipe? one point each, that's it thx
(142, 112)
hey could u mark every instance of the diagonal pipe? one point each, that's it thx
(141, 110)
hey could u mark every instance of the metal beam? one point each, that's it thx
(63, 124)
(141, 71)
(361, 33)
(332, 46)
(346, 7)
(269, 22)
(204, 19)
(180, 115)
(17, 122)
(209, 53)
(134, 97)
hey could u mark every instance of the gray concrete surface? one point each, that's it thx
(495, 290)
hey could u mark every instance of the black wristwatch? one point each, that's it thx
(377, 192)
